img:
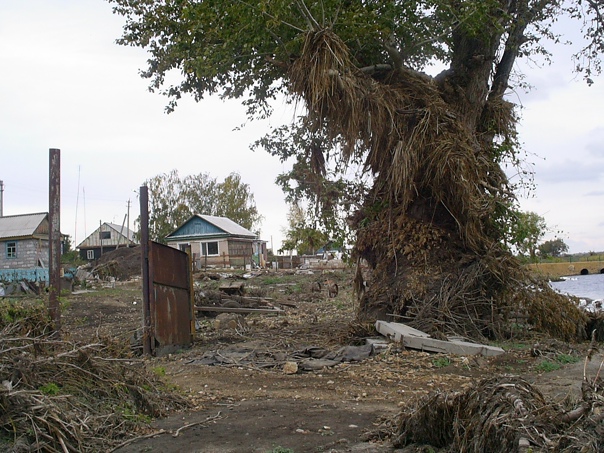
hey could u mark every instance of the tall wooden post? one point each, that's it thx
(144, 206)
(54, 218)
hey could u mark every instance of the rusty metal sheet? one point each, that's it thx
(171, 302)
(172, 316)
(170, 266)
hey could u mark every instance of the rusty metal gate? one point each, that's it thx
(171, 320)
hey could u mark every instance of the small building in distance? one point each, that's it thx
(218, 242)
(107, 237)
(24, 247)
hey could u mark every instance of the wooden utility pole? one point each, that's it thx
(54, 249)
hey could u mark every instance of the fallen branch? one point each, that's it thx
(209, 419)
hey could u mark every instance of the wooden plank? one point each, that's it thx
(238, 310)
(416, 339)
(233, 288)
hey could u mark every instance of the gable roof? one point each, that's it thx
(200, 225)
(23, 225)
(93, 240)
(129, 234)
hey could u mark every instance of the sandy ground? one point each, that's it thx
(256, 405)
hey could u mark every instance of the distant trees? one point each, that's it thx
(553, 248)
(526, 232)
(301, 236)
(68, 254)
(172, 200)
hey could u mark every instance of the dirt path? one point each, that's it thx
(256, 406)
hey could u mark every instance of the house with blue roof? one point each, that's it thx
(218, 242)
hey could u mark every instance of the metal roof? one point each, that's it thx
(223, 225)
(125, 231)
(93, 239)
(20, 225)
(227, 225)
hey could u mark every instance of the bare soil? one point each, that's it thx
(256, 406)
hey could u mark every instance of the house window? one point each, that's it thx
(209, 248)
(183, 247)
(11, 249)
(105, 235)
(90, 254)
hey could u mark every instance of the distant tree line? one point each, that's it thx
(174, 199)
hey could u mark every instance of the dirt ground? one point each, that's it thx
(254, 403)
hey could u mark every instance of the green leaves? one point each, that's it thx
(172, 200)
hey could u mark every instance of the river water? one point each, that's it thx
(583, 286)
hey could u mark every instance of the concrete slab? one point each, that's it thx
(416, 339)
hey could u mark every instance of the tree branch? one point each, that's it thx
(395, 54)
(312, 22)
(515, 39)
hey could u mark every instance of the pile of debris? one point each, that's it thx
(229, 294)
(58, 396)
(118, 265)
(501, 414)
(22, 287)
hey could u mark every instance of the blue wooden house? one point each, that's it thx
(218, 241)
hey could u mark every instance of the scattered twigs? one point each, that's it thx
(200, 423)
(135, 439)
(163, 431)
(63, 397)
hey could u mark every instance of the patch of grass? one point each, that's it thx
(557, 363)
(441, 362)
(159, 370)
(567, 358)
(280, 450)
(271, 280)
(49, 389)
(547, 366)
(293, 289)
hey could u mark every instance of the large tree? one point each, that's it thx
(433, 220)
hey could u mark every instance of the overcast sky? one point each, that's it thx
(65, 84)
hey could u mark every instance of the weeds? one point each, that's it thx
(441, 362)
(49, 389)
(547, 366)
(159, 370)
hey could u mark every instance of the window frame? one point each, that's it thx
(204, 248)
(89, 253)
(105, 235)
(10, 251)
